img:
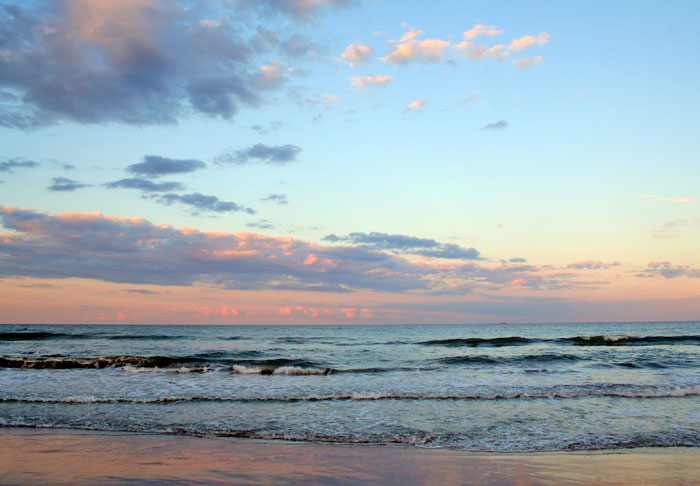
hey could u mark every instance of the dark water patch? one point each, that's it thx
(40, 336)
(508, 360)
(143, 337)
(476, 342)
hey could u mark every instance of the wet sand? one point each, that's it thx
(57, 457)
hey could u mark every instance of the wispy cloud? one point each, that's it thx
(528, 40)
(63, 184)
(408, 244)
(526, 63)
(593, 265)
(415, 105)
(669, 270)
(360, 82)
(679, 200)
(16, 163)
(144, 185)
(156, 166)
(265, 154)
(201, 202)
(276, 198)
(499, 125)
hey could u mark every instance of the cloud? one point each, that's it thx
(63, 184)
(480, 30)
(267, 129)
(528, 40)
(135, 251)
(680, 200)
(138, 252)
(669, 271)
(262, 224)
(415, 105)
(138, 62)
(323, 100)
(469, 99)
(408, 49)
(276, 198)
(156, 166)
(144, 185)
(12, 164)
(301, 9)
(140, 291)
(356, 54)
(517, 260)
(499, 125)
(408, 244)
(593, 265)
(202, 202)
(360, 82)
(527, 63)
(265, 154)
(480, 51)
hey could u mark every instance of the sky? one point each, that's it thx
(348, 161)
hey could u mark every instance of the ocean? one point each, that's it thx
(508, 387)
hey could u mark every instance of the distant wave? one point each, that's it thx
(48, 335)
(612, 392)
(475, 342)
(39, 336)
(627, 340)
(600, 340)
(98, 363)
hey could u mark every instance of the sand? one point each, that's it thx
(56, 457)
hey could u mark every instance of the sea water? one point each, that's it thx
(509, 387)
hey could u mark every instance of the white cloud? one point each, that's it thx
(373, 80)
(356, 54)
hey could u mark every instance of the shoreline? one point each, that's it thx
(68, 456)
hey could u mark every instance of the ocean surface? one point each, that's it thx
(509, 387)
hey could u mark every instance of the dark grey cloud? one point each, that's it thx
(144, 185)
(408, 244)
(11, 164)
(156, 166)
(276, 198)
(499, 125)
(264, 154)
(63, 184)
(202, 202)
(146, 64)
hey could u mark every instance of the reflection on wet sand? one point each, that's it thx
(30, 456)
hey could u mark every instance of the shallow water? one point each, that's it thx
(536, 387)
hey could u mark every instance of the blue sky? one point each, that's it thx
(557, 133)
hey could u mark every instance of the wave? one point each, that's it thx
(475, 342)
(96, 363)
(375, 396)
(39, 336)
(507, 360)
(600, 340)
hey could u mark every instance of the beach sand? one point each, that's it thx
(56, 457)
